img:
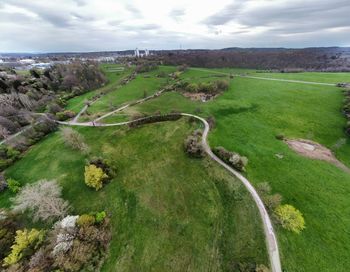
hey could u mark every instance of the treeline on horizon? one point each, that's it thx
(332, 59)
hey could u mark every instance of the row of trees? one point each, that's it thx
(314, 59)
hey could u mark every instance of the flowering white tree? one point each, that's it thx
(43, 198)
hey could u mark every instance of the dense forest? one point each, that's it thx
(286, 60)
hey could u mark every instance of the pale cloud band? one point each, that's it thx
(96, 25)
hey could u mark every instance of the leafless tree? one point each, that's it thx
(74, 139)
(43, 198)
(4, 133)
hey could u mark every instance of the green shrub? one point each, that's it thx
(86, 220)
(234, 159)
(100, 216)
(64, 115)
(192, 88)
(7, 156)
(13, 185)
(290, 218)
(25, 243)
(280, 137)
(193, 145)
(94, 177)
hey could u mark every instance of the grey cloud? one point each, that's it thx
(133, 10)
(227, 14)
(143, 27)
(9, 17)
(115, 22)
(177, 13)
(80, 2)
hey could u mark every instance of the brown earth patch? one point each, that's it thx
(316, 151)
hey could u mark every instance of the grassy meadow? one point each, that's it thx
(248, 118)
(168, 211)
(173, 213)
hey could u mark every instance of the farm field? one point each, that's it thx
(172, 212)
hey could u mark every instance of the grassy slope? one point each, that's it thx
(76, 103)
(145, 83)
(248, 118)
(168, 211)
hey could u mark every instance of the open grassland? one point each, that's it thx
(169, 212)
(143, 85)
(248, 118)
(114, 74)
(322, 77)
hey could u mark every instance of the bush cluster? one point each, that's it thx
(7, 156)
(193, 145)
(271, 201)
(290, 218)
(65, 115)
(146, 67)
(211, 88)
(155, 118)
(26, 242)
(104, 164)
(76, 243)
(234, 159)
(346, 110)
(286, 215)
(95, 177)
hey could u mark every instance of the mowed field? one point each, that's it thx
(248, 118)
(168, 212)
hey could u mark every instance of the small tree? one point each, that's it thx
(290, 218)
(94, 176)
(74, 139)
(43, 198)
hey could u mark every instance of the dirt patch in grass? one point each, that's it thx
(316, 151)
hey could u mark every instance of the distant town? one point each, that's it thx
(27, 61)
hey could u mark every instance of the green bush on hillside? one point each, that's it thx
(13, 185)
(290, 218)
(94, 177)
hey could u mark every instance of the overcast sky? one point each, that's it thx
(96, 25)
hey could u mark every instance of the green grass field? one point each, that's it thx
(248, 117)
(168, 211)
(76, 103)
(173, 213)
(143, 85)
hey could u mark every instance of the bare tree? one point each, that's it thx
(43, 198)
(74, 139)
(4, 133)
